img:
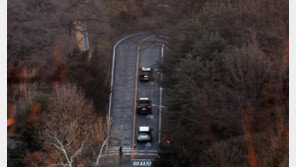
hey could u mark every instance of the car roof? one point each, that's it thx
(144, 129)
(144, 98)
(146, 68)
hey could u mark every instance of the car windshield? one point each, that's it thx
(143, 135)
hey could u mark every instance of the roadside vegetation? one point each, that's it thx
(226, 87)
(57, 97)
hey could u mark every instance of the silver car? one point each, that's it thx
(144, 134)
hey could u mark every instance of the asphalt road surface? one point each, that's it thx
(131, 53)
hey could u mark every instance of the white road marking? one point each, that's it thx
(142, 162)
(129, 153)
(136, 151)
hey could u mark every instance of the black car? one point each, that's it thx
(145, 74)
(144, 106)
(144, 134)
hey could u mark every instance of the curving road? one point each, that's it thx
(131, 53)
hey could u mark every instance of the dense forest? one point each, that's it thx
(226, 85)
(226, 79)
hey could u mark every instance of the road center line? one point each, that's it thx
(136, 89)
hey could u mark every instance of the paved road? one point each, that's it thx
(132, 52)
(149, 55)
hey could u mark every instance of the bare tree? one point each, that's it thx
(71, 133)
(248, 69)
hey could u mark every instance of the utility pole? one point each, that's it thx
(84, 32)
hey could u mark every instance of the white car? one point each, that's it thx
(144, 134)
